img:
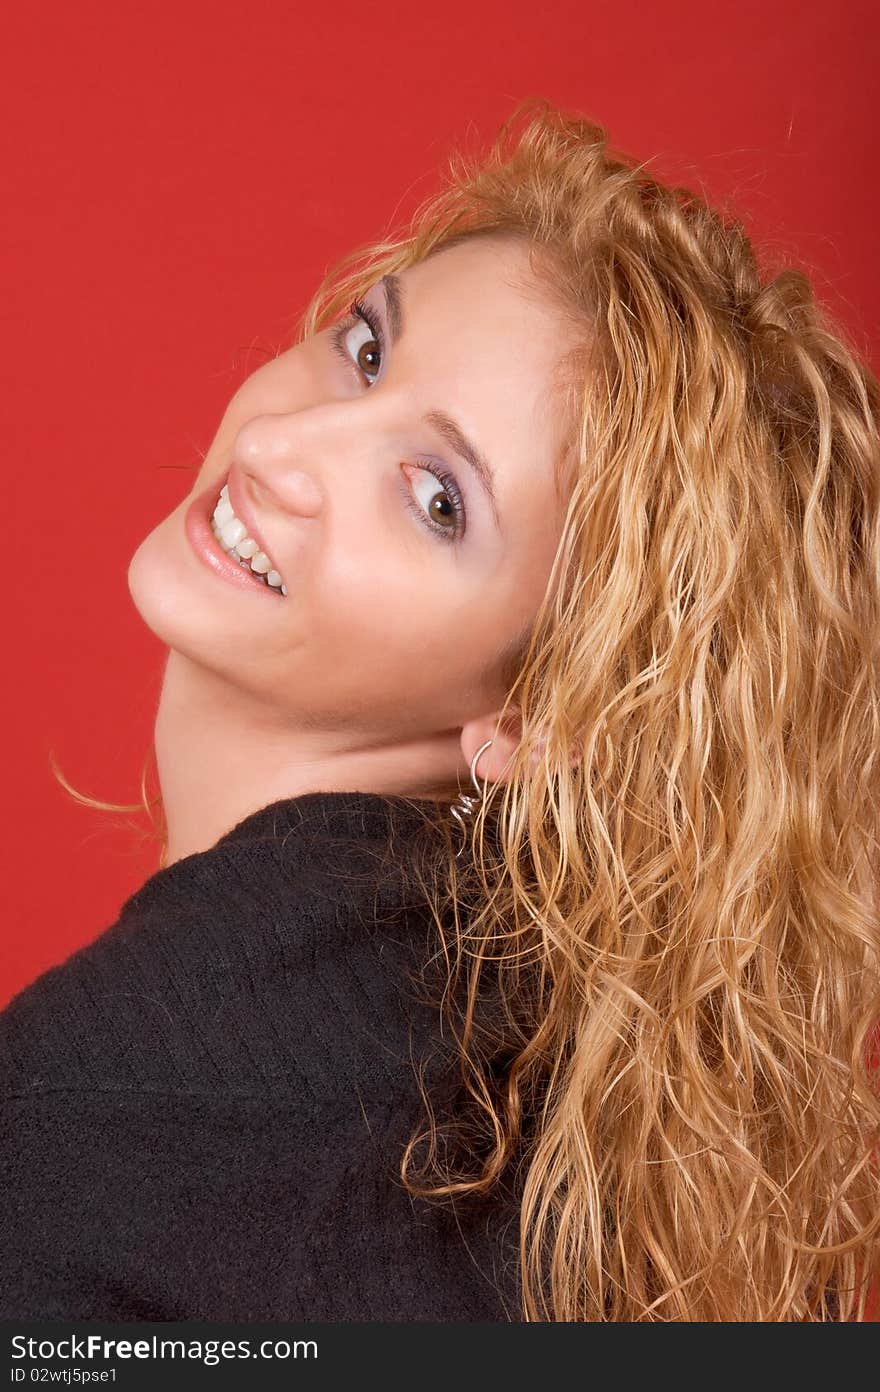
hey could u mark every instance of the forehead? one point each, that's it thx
(492, 281)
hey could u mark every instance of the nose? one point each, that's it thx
(264, 450)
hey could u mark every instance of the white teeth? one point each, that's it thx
(230, 532)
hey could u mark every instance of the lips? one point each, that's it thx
(241, 506)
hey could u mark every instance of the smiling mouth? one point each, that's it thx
(231, 534)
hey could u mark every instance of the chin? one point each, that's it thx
(161, 586)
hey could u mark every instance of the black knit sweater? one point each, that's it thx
(203, 1110)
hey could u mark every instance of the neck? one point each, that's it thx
(222, 755)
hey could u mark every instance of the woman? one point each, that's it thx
(572, 510)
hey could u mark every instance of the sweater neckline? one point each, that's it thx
(336, 812)
(312, 826)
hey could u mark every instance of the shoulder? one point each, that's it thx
(203, 1111)
(255, 965)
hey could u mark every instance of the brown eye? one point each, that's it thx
(364, 356)
(434, 497)
(368, 357)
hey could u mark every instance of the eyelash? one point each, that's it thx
(359, 311)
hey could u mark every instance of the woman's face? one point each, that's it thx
(402, 590)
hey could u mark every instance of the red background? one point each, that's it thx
(174, 183)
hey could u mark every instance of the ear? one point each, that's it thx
(494, 764)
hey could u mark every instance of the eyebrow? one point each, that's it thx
(443, 423)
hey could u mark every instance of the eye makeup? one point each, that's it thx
(359, 312)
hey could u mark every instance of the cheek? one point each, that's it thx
(387, 610)
(397, 629)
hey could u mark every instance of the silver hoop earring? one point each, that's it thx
(463, 807)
